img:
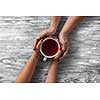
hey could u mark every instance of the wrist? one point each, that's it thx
(55, 61)
(64, 34)
(35, 53)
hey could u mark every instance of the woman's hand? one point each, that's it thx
(43, 34)
(37, 48)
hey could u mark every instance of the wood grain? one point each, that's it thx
(17, 34)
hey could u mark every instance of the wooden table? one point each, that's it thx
(82, 64)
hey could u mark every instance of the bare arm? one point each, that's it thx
(54, 22)
(28, 70)
(26, 74)
(71, 22)
(52, 74)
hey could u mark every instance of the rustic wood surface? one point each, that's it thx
(82, 64)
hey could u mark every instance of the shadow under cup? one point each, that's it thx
(49, 47)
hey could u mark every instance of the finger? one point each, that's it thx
(39, 43)
(64, 46)
(50, 36)
(58, 55)
(42, 35)
(35, 43)
(56, 39)
(64, 54)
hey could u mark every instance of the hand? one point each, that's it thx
(57, 59)
(37, 49)
(45, 33)
(63, 39)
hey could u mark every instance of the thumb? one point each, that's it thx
(64, 46)
(58, 55)
(64, 54)
(39, 43)
(35, 43)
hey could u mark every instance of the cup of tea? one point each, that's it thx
(49, 47)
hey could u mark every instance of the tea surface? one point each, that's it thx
(50, 47)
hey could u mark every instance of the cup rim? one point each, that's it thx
(53, 38)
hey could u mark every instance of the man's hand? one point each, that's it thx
(43, 34)
(63, 39)
(62, 51)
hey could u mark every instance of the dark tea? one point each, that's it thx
(49, 47)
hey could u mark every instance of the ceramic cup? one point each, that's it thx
(49, 47)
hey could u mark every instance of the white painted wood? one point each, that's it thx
(82, 64)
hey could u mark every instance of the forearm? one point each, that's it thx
(54, 22)
(52, 74)
(71, 22)
(28, 70)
